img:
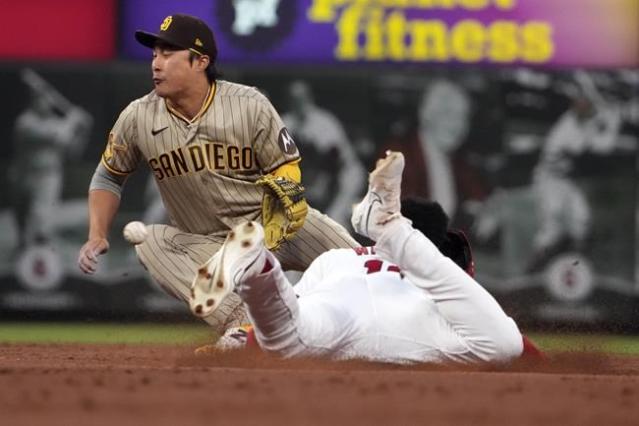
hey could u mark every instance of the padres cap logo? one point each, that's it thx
(184, 31)
(166, 23)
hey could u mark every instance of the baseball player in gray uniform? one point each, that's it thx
(207, 142)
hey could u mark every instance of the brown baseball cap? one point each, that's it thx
(185, 31)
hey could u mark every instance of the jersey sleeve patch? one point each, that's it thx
(286, 142)
(111, 152)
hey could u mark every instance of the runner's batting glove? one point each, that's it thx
(284, 209)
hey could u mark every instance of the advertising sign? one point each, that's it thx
(567, 33)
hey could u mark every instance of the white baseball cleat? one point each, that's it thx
(382, 203)
(244, 245)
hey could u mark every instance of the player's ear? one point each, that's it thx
(202, 62)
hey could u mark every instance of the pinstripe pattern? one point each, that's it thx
(320, 233)
(206, 171)
(172, 257)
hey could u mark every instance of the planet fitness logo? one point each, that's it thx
(256, 25)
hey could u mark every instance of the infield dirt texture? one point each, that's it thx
(81, 384)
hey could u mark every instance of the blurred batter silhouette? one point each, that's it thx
(50, 128)
(334, 175)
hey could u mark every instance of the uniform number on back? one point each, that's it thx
(375, 265)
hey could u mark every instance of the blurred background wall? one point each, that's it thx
(521, 117)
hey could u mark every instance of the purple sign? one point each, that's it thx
(567, 33)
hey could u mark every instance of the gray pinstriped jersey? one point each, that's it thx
(205, 169)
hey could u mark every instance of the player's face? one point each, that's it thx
(173, 72)
(445, 112)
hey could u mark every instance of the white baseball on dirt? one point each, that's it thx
(135, 232)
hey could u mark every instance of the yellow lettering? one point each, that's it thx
(401, 4)
(327, 10)
(374, 47)
(503, 41)
(432, 4)
(324, 10)
(179, 161)
(395, 36)
(467, 41)
(379, 30)
(429, 40)
(165, 162)
(197, 157)
(537, 42)
(348, 33)
(473, 4)
(159, 174)
(505, 4)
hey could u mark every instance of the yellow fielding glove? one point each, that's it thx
(284, 209)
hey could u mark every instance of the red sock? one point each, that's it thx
(531, 351)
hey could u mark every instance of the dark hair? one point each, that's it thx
(211, 71)
(430, 219)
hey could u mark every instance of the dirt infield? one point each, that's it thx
(160, 385)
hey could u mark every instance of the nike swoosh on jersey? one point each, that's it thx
(155, 132)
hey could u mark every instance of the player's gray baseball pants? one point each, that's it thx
(172, 257)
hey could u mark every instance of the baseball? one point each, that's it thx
(135, 232)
